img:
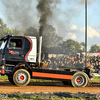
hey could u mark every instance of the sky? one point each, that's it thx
(68, 18)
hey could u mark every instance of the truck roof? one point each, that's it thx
(6, 37)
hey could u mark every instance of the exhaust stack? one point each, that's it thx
(40, 44)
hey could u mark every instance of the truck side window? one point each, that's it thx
(15, 43)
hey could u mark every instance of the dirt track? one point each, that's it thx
(7, 88)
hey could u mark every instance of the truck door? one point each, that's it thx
(2, 46)
(14, 50)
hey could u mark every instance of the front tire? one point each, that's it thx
(79, 79)
(21, 77)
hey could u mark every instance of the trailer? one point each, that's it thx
(18, 60)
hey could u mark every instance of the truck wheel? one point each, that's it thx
(80, 79)
(11, 80)
(21, 77)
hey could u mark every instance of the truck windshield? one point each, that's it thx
(3, 45)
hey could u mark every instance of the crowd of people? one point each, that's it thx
(77, 61)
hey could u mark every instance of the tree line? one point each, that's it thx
(50, 39)
(4, 30)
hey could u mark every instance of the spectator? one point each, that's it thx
(67, 64)
(46, 55)
(62, 64)
(78, 58)
(19, 44)
(55, 66)
(57, 59)
(76, 64)
(50, 65)
(68, 58)
(92, 68)
(59, 63)
(81, 64)
(81, 55)
(88, 63)
(42, 55)
(72, 60)
(75, 58)
(73, 64)
(63, 58)
(52, 58)
(44, 64)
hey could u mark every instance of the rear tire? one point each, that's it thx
(21, 77)
(79, 79)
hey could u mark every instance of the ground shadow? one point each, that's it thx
(60, 84)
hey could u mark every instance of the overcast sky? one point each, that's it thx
(68, 17)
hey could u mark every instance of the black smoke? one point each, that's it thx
(45, 10)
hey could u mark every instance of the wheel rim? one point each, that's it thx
(79, 80)
(22, 77)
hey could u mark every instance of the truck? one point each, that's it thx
(20, 61)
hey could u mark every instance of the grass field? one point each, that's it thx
(5, 78)
(52, 98)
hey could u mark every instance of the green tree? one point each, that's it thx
(2, 25)
(82, 46)
(94, 48)
(50, 37)
(6, 31)
(70, 47)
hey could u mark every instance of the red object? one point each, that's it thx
(78, 80)
(50, 75)
(72, 59)
(88, 64)
(21, 77)
(2, 71)
(10, 52)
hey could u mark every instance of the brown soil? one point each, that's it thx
(7, 88)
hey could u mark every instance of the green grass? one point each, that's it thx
(95, 80)
(50, 98)
(5, 78)
(18, 97)
(43, 80)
